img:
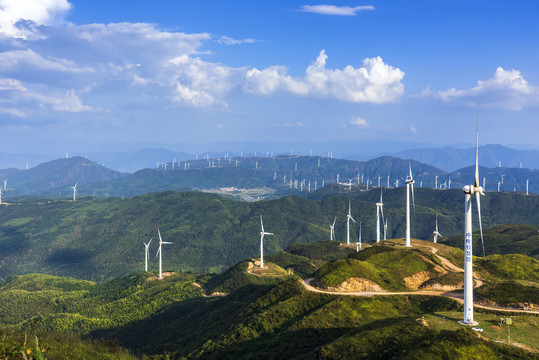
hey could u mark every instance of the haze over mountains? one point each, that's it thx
(447, 159)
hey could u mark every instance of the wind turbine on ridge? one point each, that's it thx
(436, 233)
(379, 206)
(146, 253)
(262, 233)
(470, 190)
(348, 217)
(332, 230)
(409, 184)
(74, 191)
(160, 253)
(358, 244)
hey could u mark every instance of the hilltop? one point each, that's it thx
(56, 174)
(271, 314)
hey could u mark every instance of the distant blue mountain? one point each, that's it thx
(450, 159)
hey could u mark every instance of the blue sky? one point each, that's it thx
(83, 75)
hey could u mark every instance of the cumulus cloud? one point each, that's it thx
(60, 67)
(507, 89)
(335, 10)
(359, 122)
(18, 16)
(374, 82)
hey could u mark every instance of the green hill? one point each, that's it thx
(98, 239)
(56, 174)
(267, 316)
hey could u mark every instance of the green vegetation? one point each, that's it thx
(510, 292)
(386, 265)
(507, 239)
(519, 267)
(80, 307)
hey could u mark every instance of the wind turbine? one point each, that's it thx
(146, 253)
(160, 253)
(74, 191)
(348, 217)
(436, 233)
(409, 185)
(358, 244)
(379, 206)
(470, 190)
(262, 233)
(332, 230)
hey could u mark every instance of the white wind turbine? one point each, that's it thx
(379, 207)
(262, 233)
(74, 191)
(409, 185)
(160, 253)
(332, 230)
(436, 233)
(358, 244)
(146, 254)
(348, 217)
(470, 190)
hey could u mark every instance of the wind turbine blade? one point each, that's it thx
(411, 171)
(261, 223)
(382, 209)
(334, 221)
(158, 251)
(476, 184)
(160, 239)
(351, 218)
(150, 241)
(381, 187)
(478, 203)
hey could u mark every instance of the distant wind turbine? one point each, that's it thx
(379, 206)
(332, 230)
(160, 253)
(146, 253)
(436, 233)
(74, 191)
(409, 185)
(262, 233)
(348, 218)
(358, 244)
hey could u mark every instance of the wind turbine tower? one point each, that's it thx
(436, 233)
(358, 244)
(348, 218)
(160, 253)
(409, 185)
(146, 253)
(379, 208)
(75, 191)
(470, 190)
(262, 233)
(527, 183)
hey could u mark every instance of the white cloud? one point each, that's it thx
(374, 82)
(16, 59)
(413, 129)
(70, 103)
(507, 89)
(335, 10)
(230, 41)
(11, 84)
(13, 14)
(14, 112)
(359, 122)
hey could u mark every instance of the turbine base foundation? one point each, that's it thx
(472, 323)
